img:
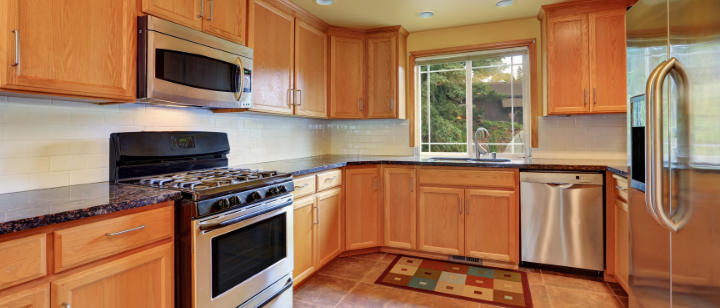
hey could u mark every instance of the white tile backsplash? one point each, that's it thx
(371, 137)
(583, 136)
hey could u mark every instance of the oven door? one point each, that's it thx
(181, 71)
(240, 254)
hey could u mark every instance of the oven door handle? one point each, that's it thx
(287, 286)
(232, 221)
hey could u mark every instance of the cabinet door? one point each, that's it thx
(361, 208)
(91, 54)
(226, 19)
(144, 279)
(491, 225)
(38, 297)
(567, 65)
(189, 13)
(305, 238)
(382, 77)
(608, 75)
(310, 71)
(347, 77)
(441, 223)
(400, 207)
(329, 225)
(622, 257)
(273, 63)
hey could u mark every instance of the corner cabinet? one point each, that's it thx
(91, 56)
(367, 73)
(362, 206)
(584, 57)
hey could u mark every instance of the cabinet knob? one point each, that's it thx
(66, 305)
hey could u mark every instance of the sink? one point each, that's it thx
(472, 160)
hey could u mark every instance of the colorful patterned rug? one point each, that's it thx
(500, 287)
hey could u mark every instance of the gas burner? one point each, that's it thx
(198, 180)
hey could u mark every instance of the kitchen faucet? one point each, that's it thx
(478, 149)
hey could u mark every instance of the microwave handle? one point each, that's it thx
(240, 79)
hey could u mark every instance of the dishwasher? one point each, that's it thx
(562, 219)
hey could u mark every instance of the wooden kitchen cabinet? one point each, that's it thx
(491, 225)
(189, 13)
(226, 19)
(90, 56)
(362, 208)
(329, 225)
(400, 200)
(143, 279)
(38, 297)
(305, 238)
(584, 57)
(382, 77)
(22, 260)
(622, 257)
(441, 223)
(310, 71)
(347, 77)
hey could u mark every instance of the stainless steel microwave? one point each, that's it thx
(180, 66)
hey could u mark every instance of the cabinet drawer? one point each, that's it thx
(455, 177)
(329, 179)
(622, 191)
(90, 242)
(22, 260)
(304, 186)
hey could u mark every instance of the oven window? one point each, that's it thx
(243, 253)
(195, 70)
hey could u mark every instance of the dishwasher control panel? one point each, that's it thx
(562, 178)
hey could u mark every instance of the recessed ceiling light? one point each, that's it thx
(504, 3)
(426, 14)
(324, 2)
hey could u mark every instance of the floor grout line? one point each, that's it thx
(348, 293)
(612, 294)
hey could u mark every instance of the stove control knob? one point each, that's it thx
(282, 189)
(273, 192)
(255, 196)
(234, 200)
(223, 203)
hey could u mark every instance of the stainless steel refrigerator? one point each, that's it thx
(673, 49)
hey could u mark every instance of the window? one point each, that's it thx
(497, 87)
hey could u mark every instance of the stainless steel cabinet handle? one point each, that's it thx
(460, 205)
(66, 305)
(392, 99)
(376, 184)
(17, 47)
(299, 97)
(125, 231)
(291, 101)
(361, 104)
(411, 184)
(331, 179)
(467, 207)
(620, 188)
(585, 96)
(317, 214)
(211, 10)
(303, 186)
(594, 96)
(202, 9)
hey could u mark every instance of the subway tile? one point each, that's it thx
(26, 165)
(11, 114)
(48, 180)
(68, 162)
(50, 116)
(93, 146)
(58, 103)
(100, 132)
(118, 119)
(67, 132)
(87, 176)
(13, 183)
(26, 132)
(98, 160)
(28, 102)
(14, 149)
(83, 117)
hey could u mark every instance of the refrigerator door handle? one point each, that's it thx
(649, 174)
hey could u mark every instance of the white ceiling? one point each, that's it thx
(367, 14)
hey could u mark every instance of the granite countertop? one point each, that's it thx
(37, 208)
(307, 165)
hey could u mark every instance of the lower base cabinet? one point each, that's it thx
(441, 224)
(621, 243)
(38, 297)
(362, 205)
(144, 279)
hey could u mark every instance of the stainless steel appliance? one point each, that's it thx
(234, 226)
(180, 66)
(673, 49)
(561, 219)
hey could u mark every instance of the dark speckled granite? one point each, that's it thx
(307, 165)
(37, 208)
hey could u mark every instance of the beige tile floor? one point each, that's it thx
(350, 282)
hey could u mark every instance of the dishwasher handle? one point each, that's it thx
(560, 185)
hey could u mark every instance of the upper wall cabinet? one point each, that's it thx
(91, 55)
(584, 60)
(221, 18)
(372, 89)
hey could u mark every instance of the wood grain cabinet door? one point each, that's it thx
(273, 64)
(608, 75)
(189, 13)
(347, 78)
(37, 297)
(329, 225)
(382, 77)
(83, 48)
(310, 71)
(567, 65)
(399, 190)
(226, 19)
(491, 225)
(144, 279)
(305, 238)
(441, 222)
(361, 208)
(622, 257)
(22, 260)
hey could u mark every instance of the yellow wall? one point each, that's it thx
(476, 34)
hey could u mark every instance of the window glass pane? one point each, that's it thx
(423, 68)
(491, 62)
(425, 136)
(447, 66)
(497, 106)
(449, 148)
(447, 113)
